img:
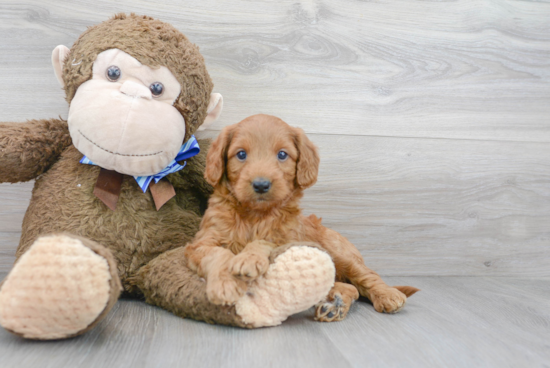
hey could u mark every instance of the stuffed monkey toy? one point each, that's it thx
(120, 190)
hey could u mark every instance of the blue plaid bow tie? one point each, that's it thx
(188, 149)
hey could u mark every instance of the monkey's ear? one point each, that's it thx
(58, 58)
(307, 166)
(213, 111)
(215, 158)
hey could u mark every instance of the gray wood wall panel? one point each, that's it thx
(466, 69)
(436, 206)
(416, 206)
(432, 118)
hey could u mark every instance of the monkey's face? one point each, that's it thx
(123, 118)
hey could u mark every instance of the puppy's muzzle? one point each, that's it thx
(261, 185)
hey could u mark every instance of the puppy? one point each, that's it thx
(259, 169)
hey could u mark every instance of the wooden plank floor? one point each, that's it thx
(452, 322)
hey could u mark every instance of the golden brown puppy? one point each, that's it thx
(259, 169)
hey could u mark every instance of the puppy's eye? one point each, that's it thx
(282, 155)
(113, 73)
(241, 155)
(156, 89)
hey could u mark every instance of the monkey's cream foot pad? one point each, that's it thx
(57, 289)
(296, 280)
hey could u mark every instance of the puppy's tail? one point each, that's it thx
(407, 290)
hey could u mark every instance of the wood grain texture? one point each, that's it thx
(437, 206)
(452, 322)
(452, 69)
(433, 122)
(416, 206)
(14, 200)
(384, 89)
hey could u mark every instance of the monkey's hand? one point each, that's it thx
(29, 149)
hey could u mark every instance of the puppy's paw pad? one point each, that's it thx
(333, 310)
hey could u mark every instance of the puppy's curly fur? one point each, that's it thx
(259, 169)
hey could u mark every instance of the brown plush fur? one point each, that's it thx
(28, 150)
(249, 224)
(136, 236)
(153, 43)
(135, 233)
(185, 293)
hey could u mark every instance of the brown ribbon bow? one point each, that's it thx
(109, 182)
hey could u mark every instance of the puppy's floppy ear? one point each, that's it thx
(307, 166)
(215, 159)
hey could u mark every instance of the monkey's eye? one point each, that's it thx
(156, 89)
(241, 155)
(282, 155)
(113, 73)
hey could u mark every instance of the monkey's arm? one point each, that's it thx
(29, 149)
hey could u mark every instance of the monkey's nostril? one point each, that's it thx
(261, 185)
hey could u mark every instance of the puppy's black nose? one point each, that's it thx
(261, 185)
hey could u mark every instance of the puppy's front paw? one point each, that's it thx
(248, 266)
(388, 300)
(224, 289)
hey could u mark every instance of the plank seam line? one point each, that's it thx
(405, 137)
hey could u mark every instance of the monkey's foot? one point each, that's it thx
(59, 288)
(336, 305)
(299, 276)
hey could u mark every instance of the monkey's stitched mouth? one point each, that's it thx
(117, 153)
